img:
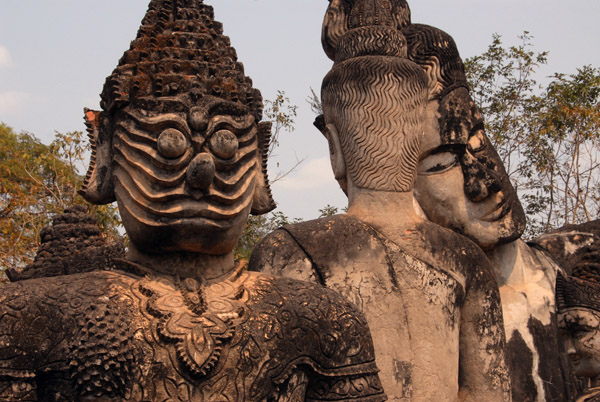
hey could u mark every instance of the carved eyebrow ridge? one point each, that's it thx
(458, 149)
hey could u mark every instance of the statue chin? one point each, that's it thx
(151, 234)
(496, 220)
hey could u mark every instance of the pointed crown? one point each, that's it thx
(180, 56)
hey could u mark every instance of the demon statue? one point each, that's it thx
(428, 294)
(578, 299)
(180, 146)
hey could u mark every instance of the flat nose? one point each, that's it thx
(569, 348)
(480, 181)
(201, 171)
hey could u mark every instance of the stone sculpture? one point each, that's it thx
(427, 293)
(578, 300)
(72, 244)
(180, 147)
(462, 185)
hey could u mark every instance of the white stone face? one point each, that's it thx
(487, 217)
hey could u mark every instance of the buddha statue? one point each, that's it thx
(462, 185)
(180, 146)
(427, 293)
(578, 300)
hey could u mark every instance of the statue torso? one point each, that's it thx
(412, 306)
(252, 337)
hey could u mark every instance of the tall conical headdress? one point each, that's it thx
(180, 59)
(180, 55)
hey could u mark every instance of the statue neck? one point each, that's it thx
(390, 212)
(202, 267)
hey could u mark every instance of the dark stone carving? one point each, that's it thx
(115, 334)
(570, 244)
(180, 147)
(578, 301)
(427, 293)
(72, 244)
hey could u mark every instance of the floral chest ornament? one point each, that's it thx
(195, 319)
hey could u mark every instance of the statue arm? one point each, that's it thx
(280, 254)
(302, 387)
(483, 373)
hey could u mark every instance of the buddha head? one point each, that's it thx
(461, 182)
(179, 143)
(373, 104)
(578, 303)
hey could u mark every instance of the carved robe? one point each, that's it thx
(126, 336)
(413, 306)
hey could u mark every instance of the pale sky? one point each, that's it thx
(55, 55)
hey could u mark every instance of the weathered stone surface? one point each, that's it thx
(72, 244)
(428, 294)
(156, 338)
(180, 146)
(417, 292)
(462, 185)
(570, 244)
(578, 299)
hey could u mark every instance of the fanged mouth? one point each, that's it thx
(499, 211)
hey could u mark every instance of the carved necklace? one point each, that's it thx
(196, 319)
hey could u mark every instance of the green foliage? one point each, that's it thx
(503, 86)
(258, 227)
(547, 136)
(328, 210)
(36, 182)
(282, 113)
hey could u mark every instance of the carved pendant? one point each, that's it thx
(196, 319)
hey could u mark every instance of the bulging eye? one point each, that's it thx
(172, 143)
(437, 163)
(477, 141)
(224, 144)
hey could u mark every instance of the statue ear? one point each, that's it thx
(338, 163)
(97, 186)
(262, 201)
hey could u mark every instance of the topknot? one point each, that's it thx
(347, 15)
(179, 56)
(373, 32)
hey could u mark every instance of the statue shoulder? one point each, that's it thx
(308, 325)
(275, 253)
(443, 247)
(52, 324)
(304, 250)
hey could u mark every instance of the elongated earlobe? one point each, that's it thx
(338, 163)
(97, 186)
(262, 201)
